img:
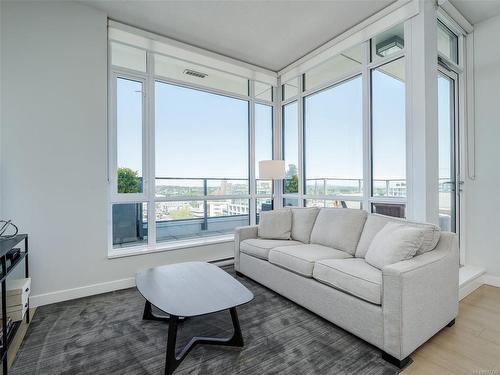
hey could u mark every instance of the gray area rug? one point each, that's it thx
(105, 334)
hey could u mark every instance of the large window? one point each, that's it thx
(187, 139)
(181, 155)
(201, 151)
(389, 130)
(333, 140)
(349, 122)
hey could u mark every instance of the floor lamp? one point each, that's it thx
(272, 170)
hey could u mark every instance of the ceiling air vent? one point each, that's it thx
(194, 73)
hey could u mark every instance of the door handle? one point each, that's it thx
(451, 183)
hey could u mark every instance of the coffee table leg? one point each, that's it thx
(173, 360)
(148, 314)
(237, 339)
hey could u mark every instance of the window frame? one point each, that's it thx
(366, 198)
(117, 197)
(372, 66)
(447, 27)
(371, 197)
(464, 144)
(330, 85)
(148, 79)
(254, 195)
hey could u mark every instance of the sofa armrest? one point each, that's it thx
(241, 234)
(420, 297)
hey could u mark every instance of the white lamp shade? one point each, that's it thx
(271, 169)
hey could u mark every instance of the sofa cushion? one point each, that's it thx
(259, 247)
(275, 225)
(394, 243)
(375, 222)
(353, 276)
(339, 228)
(300, 259)
(302, 223)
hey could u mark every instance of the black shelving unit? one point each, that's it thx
(6, 245)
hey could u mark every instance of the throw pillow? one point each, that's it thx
(275, 225)
(394, 243)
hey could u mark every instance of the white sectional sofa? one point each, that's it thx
(320, 264)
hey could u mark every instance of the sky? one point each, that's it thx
(333, 132)
(205, 135)
(129, 124)
(388, 126)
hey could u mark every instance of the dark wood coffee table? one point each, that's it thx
(191, 289)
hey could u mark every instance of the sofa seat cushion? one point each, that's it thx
(339, 228)
(353, 276)
(300, 259)
(259, 247)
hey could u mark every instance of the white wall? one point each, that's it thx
(53, 148)
(483, 202)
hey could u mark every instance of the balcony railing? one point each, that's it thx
(199, 187)
(131, 227)
(354, 187)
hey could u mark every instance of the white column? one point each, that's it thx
(422, 115)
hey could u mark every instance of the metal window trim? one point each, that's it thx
(329, 84)
(208, 90)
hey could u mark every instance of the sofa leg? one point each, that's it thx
(239, 274)
(400, 363)
(451, 324)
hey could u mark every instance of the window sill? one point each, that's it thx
(167, 246)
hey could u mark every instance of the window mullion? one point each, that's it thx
(251, 154)
(301, 166)
(151, 166)
(278, 144)
(367, 146)
(112, 134)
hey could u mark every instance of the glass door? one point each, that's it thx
(449, 162)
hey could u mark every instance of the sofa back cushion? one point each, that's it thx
(302, 223)
(339, 228)
(375, 223)
(394, 243)
(275, 225)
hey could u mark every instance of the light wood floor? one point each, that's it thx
(471, 345)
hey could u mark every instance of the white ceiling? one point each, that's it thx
(477, 10)
(270, 34)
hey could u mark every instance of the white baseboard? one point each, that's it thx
(470, 278)
(225, 262)
(476, 281)
(90, 290)
(491, 280)
(470, 287)
(84, 291)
